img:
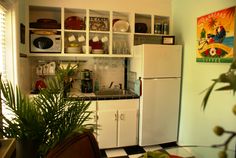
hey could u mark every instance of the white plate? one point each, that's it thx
(121, 26)
(97, 51)
(73, 49)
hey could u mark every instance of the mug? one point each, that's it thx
(39, 70)
(51, 68)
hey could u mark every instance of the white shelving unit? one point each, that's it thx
(114, 43)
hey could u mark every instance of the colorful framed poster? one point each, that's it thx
(215, 36)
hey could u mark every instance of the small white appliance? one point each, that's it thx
(45, 43)
(159, 68)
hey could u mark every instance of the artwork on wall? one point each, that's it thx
(215, 36)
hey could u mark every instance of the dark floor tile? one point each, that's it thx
(103, 154)
(168, 145)
(131, 150)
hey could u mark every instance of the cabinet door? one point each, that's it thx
(107, 128)
(93, 115)
(127, 127)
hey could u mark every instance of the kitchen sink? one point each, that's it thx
(113, 92)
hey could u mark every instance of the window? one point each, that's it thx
(7, 44)
(8, 40)
(3, 42)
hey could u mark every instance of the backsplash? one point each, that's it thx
(104, 70)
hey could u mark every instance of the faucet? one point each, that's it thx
(120, 86)
(111, 84)
(116, 86)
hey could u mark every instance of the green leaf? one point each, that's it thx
(207, 95)
(228, 77)
(47, 118)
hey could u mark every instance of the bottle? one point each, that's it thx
(157, 28)
(165, 28)
(96, 85)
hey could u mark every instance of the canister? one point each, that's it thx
(165, 28)
(157, 28)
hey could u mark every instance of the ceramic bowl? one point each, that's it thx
(84, 49)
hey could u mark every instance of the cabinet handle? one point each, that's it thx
(96, 117)
(122, 116)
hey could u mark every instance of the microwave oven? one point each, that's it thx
(45, 43)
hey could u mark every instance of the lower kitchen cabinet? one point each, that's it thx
(93, 108)
(107, 128)
(93, 116)
(127, 131)
(117, 122)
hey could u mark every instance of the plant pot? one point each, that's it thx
(27, 149)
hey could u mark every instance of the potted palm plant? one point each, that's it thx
(67, 73)
(229, 80)
(41, 122)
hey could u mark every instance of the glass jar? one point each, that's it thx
(158, 28)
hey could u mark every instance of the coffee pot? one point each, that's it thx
(86, 81)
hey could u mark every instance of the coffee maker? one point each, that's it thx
(86, 81)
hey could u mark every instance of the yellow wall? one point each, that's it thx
(162, 7)
(196, 125)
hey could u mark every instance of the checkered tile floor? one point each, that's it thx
(137, 151)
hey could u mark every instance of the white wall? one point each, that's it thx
(105, 70)
(195, 124)
(162, 7)
(23, 65)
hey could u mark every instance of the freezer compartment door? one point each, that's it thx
(162, 61)
(159, 111)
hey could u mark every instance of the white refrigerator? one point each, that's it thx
(159, 67)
